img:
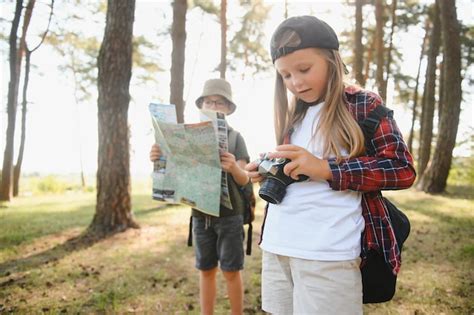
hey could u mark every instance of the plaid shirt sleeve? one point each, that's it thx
(388, 164)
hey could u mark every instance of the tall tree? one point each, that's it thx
(178, 36)
(113, 209)
(428, 105)
(15, 55)
(358, 46)
(379, 46)
(24, 105)
(437, 174)
(78, 50)
(223, 20)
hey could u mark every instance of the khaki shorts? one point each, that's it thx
(299, 286)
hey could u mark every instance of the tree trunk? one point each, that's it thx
(379, 46)
(113, 209)
(390, 46)
(358, 47)
(28, 53)
(438, 171)
(223, 20)
(415, 94)
(428, 107)
(19, 161)
(6, 192)
(370, 56)
(441, 90)
(178, 36)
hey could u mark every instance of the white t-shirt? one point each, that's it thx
(313, 221)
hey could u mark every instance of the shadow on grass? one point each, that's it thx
(22, 227)
(59, 251)
(82, 241)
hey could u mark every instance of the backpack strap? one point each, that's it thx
(370, 124)
(232, 143)
(232, 140)
(190, 232)
(249, 240)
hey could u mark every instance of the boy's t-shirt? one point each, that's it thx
(240, 153)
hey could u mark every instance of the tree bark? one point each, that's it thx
(358, 47)
(24, 104)
(178, 36)
(380, 48)
(441, 90)
(370, 56)
(415, 94)
(113, 210)
(28, 53)
(6, 192)
(223, 20)
(437, 173)
(428, 107)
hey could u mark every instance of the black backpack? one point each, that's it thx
(378, 281)
(247, 197)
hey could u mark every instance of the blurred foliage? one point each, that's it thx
(462, 172)
(207, 6)
(246, 46)
(53, 184)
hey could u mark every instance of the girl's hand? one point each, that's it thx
(228, 162)
(155, 152)
(302, 162)
(252, 172)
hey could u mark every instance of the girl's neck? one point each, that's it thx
(317, 102)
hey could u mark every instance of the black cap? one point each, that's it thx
(312, 31)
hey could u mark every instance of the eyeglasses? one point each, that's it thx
(217, 103)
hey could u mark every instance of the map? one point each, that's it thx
(189, 171)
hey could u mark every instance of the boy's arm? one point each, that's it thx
(240, 174)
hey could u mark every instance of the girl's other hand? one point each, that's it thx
(155, 152)
(252, 172)
(302, 162)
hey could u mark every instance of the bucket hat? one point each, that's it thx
(217, 87)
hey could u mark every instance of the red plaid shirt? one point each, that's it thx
(387, 165)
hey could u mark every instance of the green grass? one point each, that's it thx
(151, 270)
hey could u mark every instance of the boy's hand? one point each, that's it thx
(228, 162)
(155, 152)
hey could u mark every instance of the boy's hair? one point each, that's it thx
(336, 125)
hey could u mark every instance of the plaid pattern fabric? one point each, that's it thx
(387, 166)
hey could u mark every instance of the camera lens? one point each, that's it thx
(272, 190)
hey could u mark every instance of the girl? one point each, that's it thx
(312, 241)
(220, 239)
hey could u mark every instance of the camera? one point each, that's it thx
(273, 187)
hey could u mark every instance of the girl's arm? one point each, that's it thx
(390, 168)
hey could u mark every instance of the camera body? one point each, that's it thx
(273, 187)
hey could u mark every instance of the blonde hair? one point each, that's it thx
(336, 124)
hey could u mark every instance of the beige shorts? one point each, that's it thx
(299, 286)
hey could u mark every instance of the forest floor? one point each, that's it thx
(151, 270)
